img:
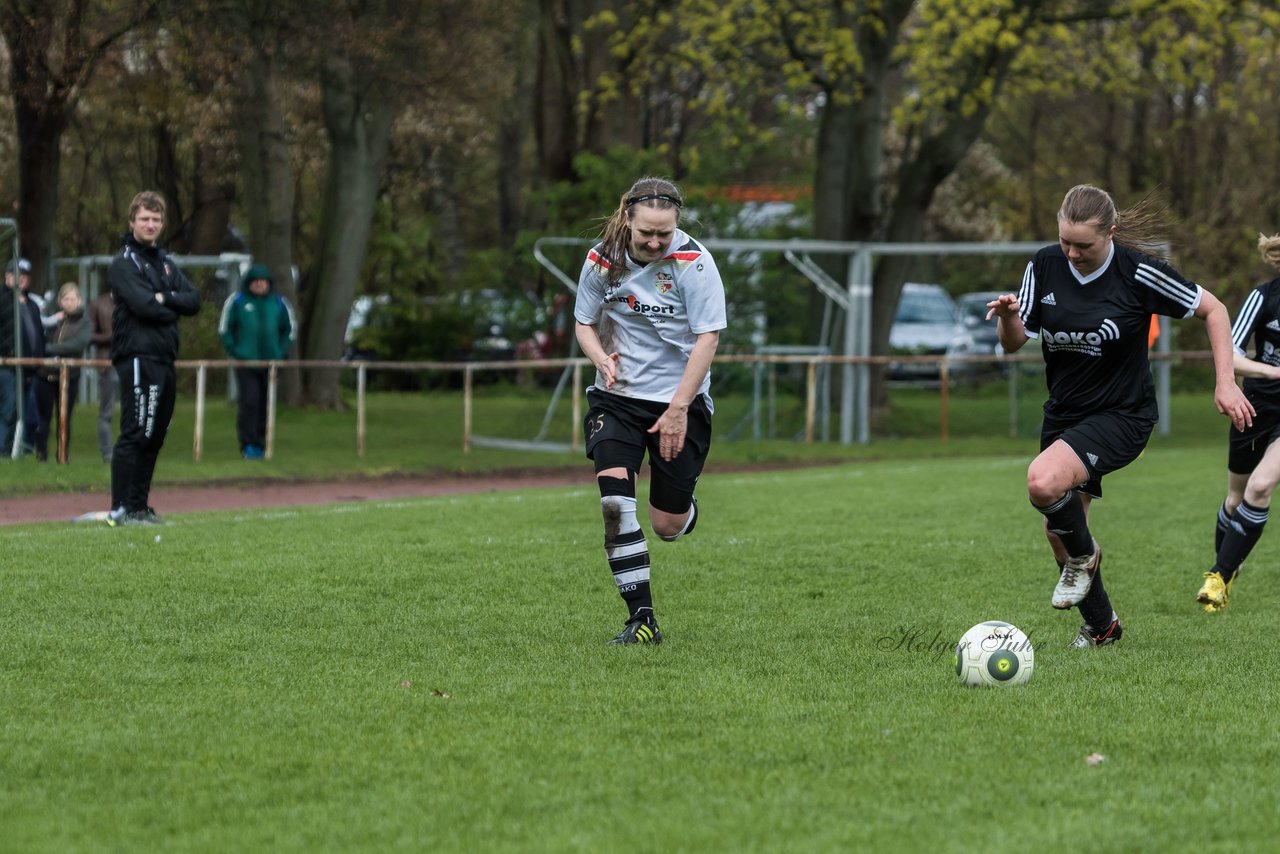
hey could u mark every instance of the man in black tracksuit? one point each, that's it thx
(151, 293)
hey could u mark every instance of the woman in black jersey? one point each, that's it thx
(1253, 458)
(1089, 300)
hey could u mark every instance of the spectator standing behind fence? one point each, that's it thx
(151, 293)
(67, 339)
(256, 326)
(32, 341)
(8, 374)
(100, 311)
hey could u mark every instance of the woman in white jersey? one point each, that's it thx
(1253, 456)
(649, 310)
(1089, 300)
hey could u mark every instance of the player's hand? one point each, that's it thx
(1232, 403)
(1005, 305)
(671, 429)
(608, 368)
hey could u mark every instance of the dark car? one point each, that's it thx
(928, 323)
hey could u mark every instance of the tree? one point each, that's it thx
(1174, 102)
(899, 90)
(260, 34)
(54, 48)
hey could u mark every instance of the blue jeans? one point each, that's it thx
(8, 410)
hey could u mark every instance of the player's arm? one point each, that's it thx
(1007, 312)
(1227, 396)
(183, 298)
(1246, 367)
(589, 341)
(674, 423)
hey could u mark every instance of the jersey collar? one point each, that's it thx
(1084, 280)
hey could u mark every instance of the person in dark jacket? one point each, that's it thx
(10, 305)
(256, 326)
(151, 293)
(31, 340)
(67, 338)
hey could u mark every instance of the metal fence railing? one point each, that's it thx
(574, 373)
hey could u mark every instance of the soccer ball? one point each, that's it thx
(994, 654)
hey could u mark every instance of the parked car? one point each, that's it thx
(476, 325)
(928, 323)
(973, 311)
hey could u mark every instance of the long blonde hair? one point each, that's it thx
(650, 192)
(1139, 226)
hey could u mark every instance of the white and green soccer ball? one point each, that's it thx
(993, 654)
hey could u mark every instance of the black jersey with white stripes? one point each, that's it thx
(1259, 319)
(1093, 329)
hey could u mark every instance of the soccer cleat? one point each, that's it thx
(640, 629)
(1215, 593)
(146, 516)
(1076, 579)
(1089, 637)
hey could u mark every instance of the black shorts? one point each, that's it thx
(1104, 442)
(1246, 447)
(626, 421)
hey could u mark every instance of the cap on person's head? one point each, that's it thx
(258, 271)
(22, 265)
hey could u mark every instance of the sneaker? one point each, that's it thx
(114, 517)
(143, 517)
(252, 452)
(1077, 576)
(1089, 637)
(640, 629)
(1215, 593)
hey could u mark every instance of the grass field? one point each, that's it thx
(433, 675)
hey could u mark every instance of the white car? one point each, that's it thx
(927, 323)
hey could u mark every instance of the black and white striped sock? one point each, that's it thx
(625, 546)
(1243, 532)
(1220, 530)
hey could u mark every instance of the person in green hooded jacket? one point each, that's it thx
(256, 325)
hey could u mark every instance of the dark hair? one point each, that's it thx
(650, 192)
(1139, 226)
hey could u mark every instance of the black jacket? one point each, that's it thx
(141, 325)
(6, 322)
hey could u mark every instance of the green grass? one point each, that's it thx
(432, 675)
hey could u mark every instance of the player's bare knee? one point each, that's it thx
(665, 525)
(1258, 494)
(672, 526)
(1043, 491)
